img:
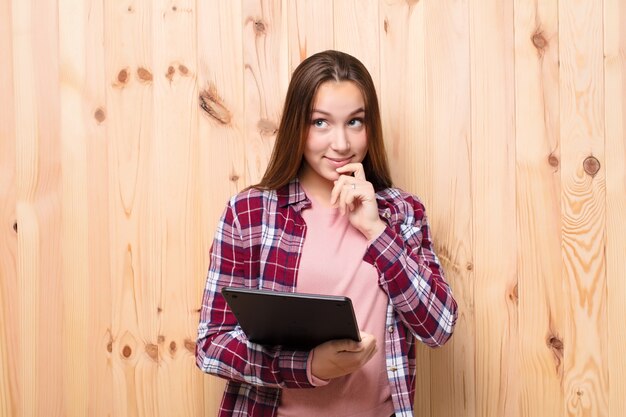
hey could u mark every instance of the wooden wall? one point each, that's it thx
(126, 125)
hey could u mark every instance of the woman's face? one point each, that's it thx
(337, 134)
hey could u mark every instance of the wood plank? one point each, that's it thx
(541, 300)
(493, 199)
(403, 95)
(221, 127)
(174, 177)
(10, 355)
(26, 154)
(311, 29)
(615, 131)
(357, 32)
(136, 268)
(402, 100)
(36, 89)
(449, 170)
(265, 59)
(74, 225)
(583, 208)
(99, 345)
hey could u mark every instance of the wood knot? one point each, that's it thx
(555, 343)
(259, 27)
(127, 351)
(469, 266)
(553, 161)
(170, 73)
(152, 350)
(174, 8)
(591, 166)
(144, 74)
(122, 76)
(514, 294)
(110, 342)
(173, 347)
(183, 69)
(539, 41)
(190, 345)
(234, 177)
(213, 105)
(130, 9)
(160, 339)
(267, 127)
(15, 226)
(159, 309)
(99, 115)
(386, 25)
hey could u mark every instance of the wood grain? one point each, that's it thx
(26, 153)
(583, 202)
(222, 164)
(541, 302)
(447, 88)
(266, 77)
(94, 117)
(74, 220)
(175, 173)
(356, 27)
(35, 69)
(135, 213)
(493, 208)
(615, 157)
(10, 358)
(403, 94)
(311, 29)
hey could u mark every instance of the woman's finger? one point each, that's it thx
(355, 168)
(339, 187)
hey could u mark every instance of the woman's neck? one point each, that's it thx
(317, 188)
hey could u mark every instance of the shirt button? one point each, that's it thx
(393, 368)
(390, 329)
(387, 215)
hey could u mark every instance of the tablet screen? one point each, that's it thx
(292, 320)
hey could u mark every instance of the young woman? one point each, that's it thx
(325, 219)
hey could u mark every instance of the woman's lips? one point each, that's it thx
(337, 163)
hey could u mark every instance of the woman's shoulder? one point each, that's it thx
(252, 196)
(248, 207)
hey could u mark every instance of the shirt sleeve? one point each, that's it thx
(410, 273)
(315, 381)
(222, 349)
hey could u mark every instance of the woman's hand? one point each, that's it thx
(356, 196)
(337, 358)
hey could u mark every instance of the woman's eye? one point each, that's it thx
(355, 123)
(320, 123)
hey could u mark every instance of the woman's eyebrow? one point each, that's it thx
(359, 110)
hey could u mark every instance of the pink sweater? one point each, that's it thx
(332, 263)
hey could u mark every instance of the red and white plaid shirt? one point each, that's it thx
(258, 245)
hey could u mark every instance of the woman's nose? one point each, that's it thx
(340, 141)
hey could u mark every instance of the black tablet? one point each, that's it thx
(292, 320)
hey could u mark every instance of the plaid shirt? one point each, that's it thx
(258, 244)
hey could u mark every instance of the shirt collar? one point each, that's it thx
(292, 194)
